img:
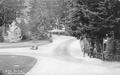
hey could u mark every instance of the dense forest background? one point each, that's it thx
(91, 18)
(34, 17)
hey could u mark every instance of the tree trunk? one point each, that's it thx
(4, 33)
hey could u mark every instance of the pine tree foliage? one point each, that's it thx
(92, 17)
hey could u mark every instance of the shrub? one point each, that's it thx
(39, 36)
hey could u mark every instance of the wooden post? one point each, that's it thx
(103, 50)
(1, 72)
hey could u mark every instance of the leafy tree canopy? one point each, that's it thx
(9, 10)
(92, 17)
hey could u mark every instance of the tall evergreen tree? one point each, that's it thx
(93, 17)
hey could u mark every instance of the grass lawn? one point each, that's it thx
(16, 64)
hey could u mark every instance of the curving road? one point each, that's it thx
(64, 57)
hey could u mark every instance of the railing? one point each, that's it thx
(108, 57)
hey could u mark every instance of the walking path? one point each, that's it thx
(64, 57)
(23, 44)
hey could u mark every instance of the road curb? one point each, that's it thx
(24, 44)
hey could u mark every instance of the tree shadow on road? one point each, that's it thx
(62, 52)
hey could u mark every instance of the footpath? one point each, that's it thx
(24, 44)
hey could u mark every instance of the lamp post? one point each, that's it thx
(104, 42)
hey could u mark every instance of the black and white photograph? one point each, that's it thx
(59, 37)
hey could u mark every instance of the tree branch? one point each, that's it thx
(109, 17)
(2, 1)
(93, 13)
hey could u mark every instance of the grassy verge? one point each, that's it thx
(16, 64)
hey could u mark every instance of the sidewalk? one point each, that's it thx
(31, 43)
(23, 44)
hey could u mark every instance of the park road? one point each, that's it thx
(64, 57)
